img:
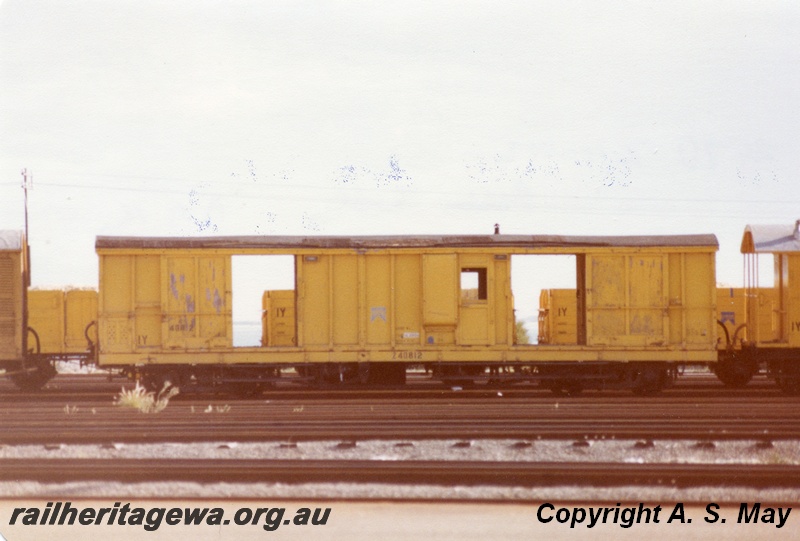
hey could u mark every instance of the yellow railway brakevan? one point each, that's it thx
(369, 308)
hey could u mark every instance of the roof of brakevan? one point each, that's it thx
(403, 241)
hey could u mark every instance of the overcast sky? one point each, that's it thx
(573, 117)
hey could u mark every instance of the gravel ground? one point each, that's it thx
(741, 452)
(350, 491)
(628, 451)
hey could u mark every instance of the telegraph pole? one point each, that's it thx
(27, 183)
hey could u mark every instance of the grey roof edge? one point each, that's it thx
(11, 240)
(403, 241)
(771, 238)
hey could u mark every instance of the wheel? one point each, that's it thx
(786, 375)
(458, 375)
(36, 379)
(649, 379)
(733, 376)
(332, 374)
(735, 372)
(157, 381)
(38, 370)
(386, 374)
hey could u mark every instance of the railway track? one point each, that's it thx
(453, 473)
(132, 428)
(694, 412)
(80, 410)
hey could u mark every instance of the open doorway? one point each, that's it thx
(545, 300)
(760, 271)
(253, 275)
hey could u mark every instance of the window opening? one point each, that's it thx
(473, 284)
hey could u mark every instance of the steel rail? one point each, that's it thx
(75, 417)
(187, 435)
(387, 420)
(452, 473)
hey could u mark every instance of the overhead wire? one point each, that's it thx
(485, 200)
(202, 187)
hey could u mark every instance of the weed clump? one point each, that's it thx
(146, 401)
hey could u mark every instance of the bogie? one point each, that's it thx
(735, 370)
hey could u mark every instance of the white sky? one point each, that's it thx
(565, 117)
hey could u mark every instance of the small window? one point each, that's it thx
(473, 284)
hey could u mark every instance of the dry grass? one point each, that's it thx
(146, 401)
